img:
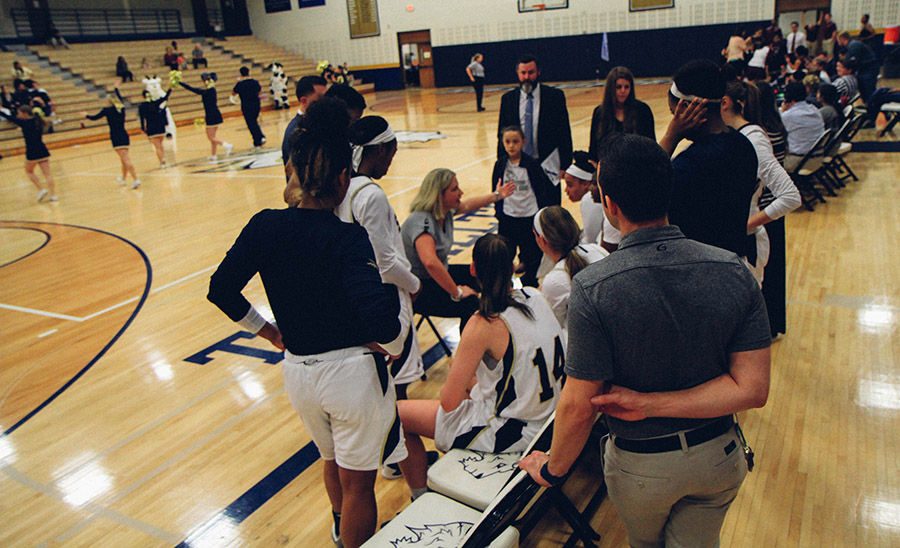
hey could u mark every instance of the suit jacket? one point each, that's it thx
(546, 193)
(553, 131)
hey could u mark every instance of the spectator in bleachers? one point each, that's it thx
(171, 57)
(36, 153)
(38, 96)
(56, 39)
(197, 57)
(20, 73)
(803, 123)
(122, 70)
(17, 98)
(830, 108)
(145, 64)
(505, 379)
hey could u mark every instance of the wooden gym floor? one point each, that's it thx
(135, 415)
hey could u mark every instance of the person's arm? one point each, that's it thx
(9, 117)
(101, 114)
(374, 213)
(777, 180)
(593, 143)
(191, 88)
(556, 288)
(377, 304)
(646, 125)
(688, 115)
(475, 340)
(504, 190)
(469, 72)
(230, 278)
(119, 95)
(143, 118)
(427, 252)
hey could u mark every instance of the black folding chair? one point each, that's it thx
(806, 174)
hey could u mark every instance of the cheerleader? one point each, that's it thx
(115, 118)
(366, 204)
(153, 123)
(36, 153)
(212, 116)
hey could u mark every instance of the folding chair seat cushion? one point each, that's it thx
(437, 521)
(472, 477)
(890, 107)
(844, 149)
(811, 166)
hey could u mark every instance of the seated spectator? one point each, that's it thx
(20, 73)
(803, 123)
(20, 96)
(581, 188)
(846, 83)
(171, 57)
(505, 379)
(559, 238)
(830, 109)
(865, 63)
(122, 70)
(818, 67)
(56, 39)
(145, 64)
(715, 177)
(797, 60)
(880, 97)
(197, 57)
(448, 291)
(811, 84)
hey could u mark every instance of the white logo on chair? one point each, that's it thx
(437, 535)
(481, 465)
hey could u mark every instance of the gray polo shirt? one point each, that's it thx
(423, 222)
(662, 313)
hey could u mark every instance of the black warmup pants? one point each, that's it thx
(478, 84)
(251, 116)
(434, 301)
(518, 230)
(200, 61)
(774, 280)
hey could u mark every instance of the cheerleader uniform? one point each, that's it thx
(153, 116)
(33, 132)
(115, 118)
(212, 116)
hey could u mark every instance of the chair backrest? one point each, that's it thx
(848, 110)
(503, 511)
(817, 150)
(853, 98)
(857, 125)
(834, 144)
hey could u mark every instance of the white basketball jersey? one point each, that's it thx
(525, 384)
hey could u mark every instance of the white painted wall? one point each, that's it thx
(882, 13)
(323, 32)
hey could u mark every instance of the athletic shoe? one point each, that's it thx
(54, 198)
(136, 183)
(263, 141)
(336, 530)
(42, 194)
(163, 165)
(228, 148)
(213, 159)
(120, 180)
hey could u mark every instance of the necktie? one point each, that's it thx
(794, 43)
(529, 126)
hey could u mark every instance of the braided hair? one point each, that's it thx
(320, 150)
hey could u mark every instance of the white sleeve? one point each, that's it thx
(556, 289)
(775, 178)
(252, 321)
(373, 211)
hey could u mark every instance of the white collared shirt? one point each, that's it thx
(535, 115)
(801, 41)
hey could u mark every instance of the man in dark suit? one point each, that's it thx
(540, 110)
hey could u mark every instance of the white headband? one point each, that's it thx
(385, 136)
(576, 171)
(679, 95)
(537, 223)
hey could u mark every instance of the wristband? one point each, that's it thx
(496, 196)
(458, 297)
(550, 478)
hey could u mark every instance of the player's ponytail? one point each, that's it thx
(493, 260)
(321, 151)
(562, 233)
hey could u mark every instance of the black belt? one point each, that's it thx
(672, 443)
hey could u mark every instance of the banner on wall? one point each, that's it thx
(363, 15)
(642, 5)
(274, 6)
(310, 3)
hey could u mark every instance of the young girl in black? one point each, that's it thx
(212, 116)
(115, 118)
(36, 153)
(153, 123)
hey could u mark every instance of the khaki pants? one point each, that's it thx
(678, 498)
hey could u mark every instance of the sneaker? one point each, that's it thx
(213, 159)
(228, 148)
(336, 530)
(120, 180)
(163, 165)
(42, 194)
(136, 183)
(54, 198)
(263, 141)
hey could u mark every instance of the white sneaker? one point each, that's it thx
(136, 183)
(228, 148)
(120, 180)
(213, 159)
(54, 198)
(163, 165)
(42, 194)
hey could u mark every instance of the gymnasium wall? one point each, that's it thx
(323, 32)
(882, 13)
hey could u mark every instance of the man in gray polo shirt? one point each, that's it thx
(668, 337)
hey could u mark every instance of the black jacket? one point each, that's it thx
(554, 130)
(545, 191)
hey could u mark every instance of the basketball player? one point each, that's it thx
(115, 119)
(510, 355)
(366, 204)
(581, 187)
(332, 309)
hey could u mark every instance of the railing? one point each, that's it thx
(98, 22)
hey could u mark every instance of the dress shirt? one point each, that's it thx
(795, 40)
(804, 126)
